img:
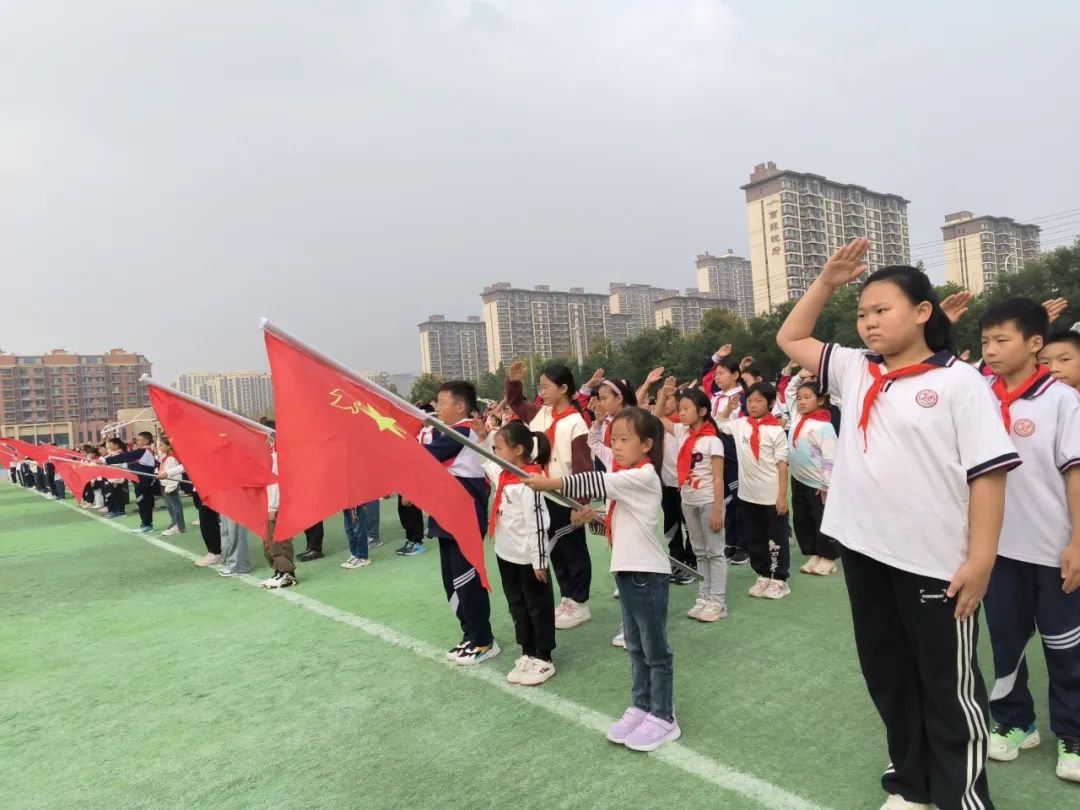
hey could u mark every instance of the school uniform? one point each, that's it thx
(140, 460)
(700, 493)
(759, 453)
(467, 597)
(811, 452)
(279, 555)
(898, 506)
(209, 523)
(679, 546)
(643, 573)
(1025, 592)
(519, 524)
(568, 434)
(171, 491)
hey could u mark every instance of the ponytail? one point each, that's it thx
(536, 445)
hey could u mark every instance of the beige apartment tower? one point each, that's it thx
(728, 277)
(797, 220)
(684, 312)
(980, 249)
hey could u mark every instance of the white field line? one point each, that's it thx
(675, 754)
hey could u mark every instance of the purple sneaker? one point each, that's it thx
(631, 719)
(652, 733)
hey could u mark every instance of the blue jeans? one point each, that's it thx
(644, 601)
(372, 513)
(356, 528)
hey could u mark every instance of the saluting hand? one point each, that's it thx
(846, 264)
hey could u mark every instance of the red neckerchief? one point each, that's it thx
(755, 435)
(607, 432)
(555, 417)
(453, 459)
(686, 452)
(820, 415)
(506, 479)
(879, 383)
(1007, 398)
(609, 517)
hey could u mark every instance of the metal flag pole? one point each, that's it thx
(105, 468)
(431, 421)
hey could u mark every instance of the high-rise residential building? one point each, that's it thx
(635, 301)
(797, 220)
(684, 312)
(547, 322)
(728, 276)
(453, 350)
(248, 393)
(67, 398)
(980, 249)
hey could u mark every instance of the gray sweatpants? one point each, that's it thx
(234, 546)
(708, 547)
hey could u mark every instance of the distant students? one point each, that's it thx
(141, 461)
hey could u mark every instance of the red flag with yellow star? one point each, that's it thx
(226, 457)
(340, 444)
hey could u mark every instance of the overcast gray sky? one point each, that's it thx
(172, 171)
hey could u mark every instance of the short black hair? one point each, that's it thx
(1064, 337)
(144, 434)
(1029, 316)
(463, 391)
(767, 390)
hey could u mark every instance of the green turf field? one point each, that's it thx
(129, 678)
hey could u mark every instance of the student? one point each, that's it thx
(1036, 579)
(455, 406)
(519, 523)
(170, 473)
(357, 531)
(561, 420)
(209, 523)
(234, 550)
(141, 461)
(700, 471)
(811, 452)
(410, 515)
(278, 553)
(762, 449)
(633, 495)
(1061, 355)
(916, 503)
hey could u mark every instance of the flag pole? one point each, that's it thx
(430, 420)
(105, 468)
(147, 380)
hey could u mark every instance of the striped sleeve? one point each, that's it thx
(984, 445)
(835, 365)
(585, 485)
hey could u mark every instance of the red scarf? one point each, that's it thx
(820, 415)
(555, 417)
(1007, 398)
(607, 432)
(755, 436)
(686, 452)
(506, 479)
(879, 383)
(610, 516)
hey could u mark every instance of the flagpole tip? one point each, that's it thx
(145, 378)
(263, 322)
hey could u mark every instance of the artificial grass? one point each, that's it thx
(131, 679)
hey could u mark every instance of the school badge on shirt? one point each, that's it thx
(927, 398)
(1023, 428)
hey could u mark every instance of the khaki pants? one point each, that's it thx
(278, 555)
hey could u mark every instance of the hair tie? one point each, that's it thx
(535, 447)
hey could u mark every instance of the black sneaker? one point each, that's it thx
(309, 555)
(682, 578)
(739, 558)
(401, 551)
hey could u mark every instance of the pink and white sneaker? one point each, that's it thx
(652, 733)
(631, 719)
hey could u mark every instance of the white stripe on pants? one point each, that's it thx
(708, 547)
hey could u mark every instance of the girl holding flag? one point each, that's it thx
(700, 472)
(810, 457)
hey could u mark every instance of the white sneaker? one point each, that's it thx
(207, 560)
(561, 607)
(575, 613)
(695, 611)
(758, 588)
(776, 589)
(898, 802)
(477, 655)
(196, 523)
(348, 563)
(356, 562)
(712, 612)
(169, 532)
(281, 579)
(619, 640)
(514, 675)
(271, 581)
(808, 566)
(824, 568)
(1006, 744)
(536, 672)
(616, 594)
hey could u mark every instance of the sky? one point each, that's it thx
(171, 172)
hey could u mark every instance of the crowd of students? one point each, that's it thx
(937, 484)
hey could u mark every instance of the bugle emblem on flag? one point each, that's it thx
(346, 402)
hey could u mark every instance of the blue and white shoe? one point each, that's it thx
(145, 529)
(413, 549)
(477, 655)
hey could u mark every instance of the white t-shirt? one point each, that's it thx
(700, 489)
(669, 473)
(903, 500)
(521, 525)
(637, 493)
(1046, 432)
(567, 430)
(759, 478)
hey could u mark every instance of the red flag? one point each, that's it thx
(340, 444)
(77, 476)
(227, 458)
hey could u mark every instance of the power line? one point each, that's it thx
(1024, 221)
(953, 244)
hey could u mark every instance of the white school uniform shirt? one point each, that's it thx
(521, 523)
(699, 489)
(1046, 432)
(273, 491)
(637, 493)
(600, 451)
(720, 403)
(172, 469)
(904, 500)
(569, 428)
(669, 473)
(759, 478)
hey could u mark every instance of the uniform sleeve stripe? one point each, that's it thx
(1068, 465)
(823, 368)
(1009, 461)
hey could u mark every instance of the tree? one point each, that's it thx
(425, 389)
